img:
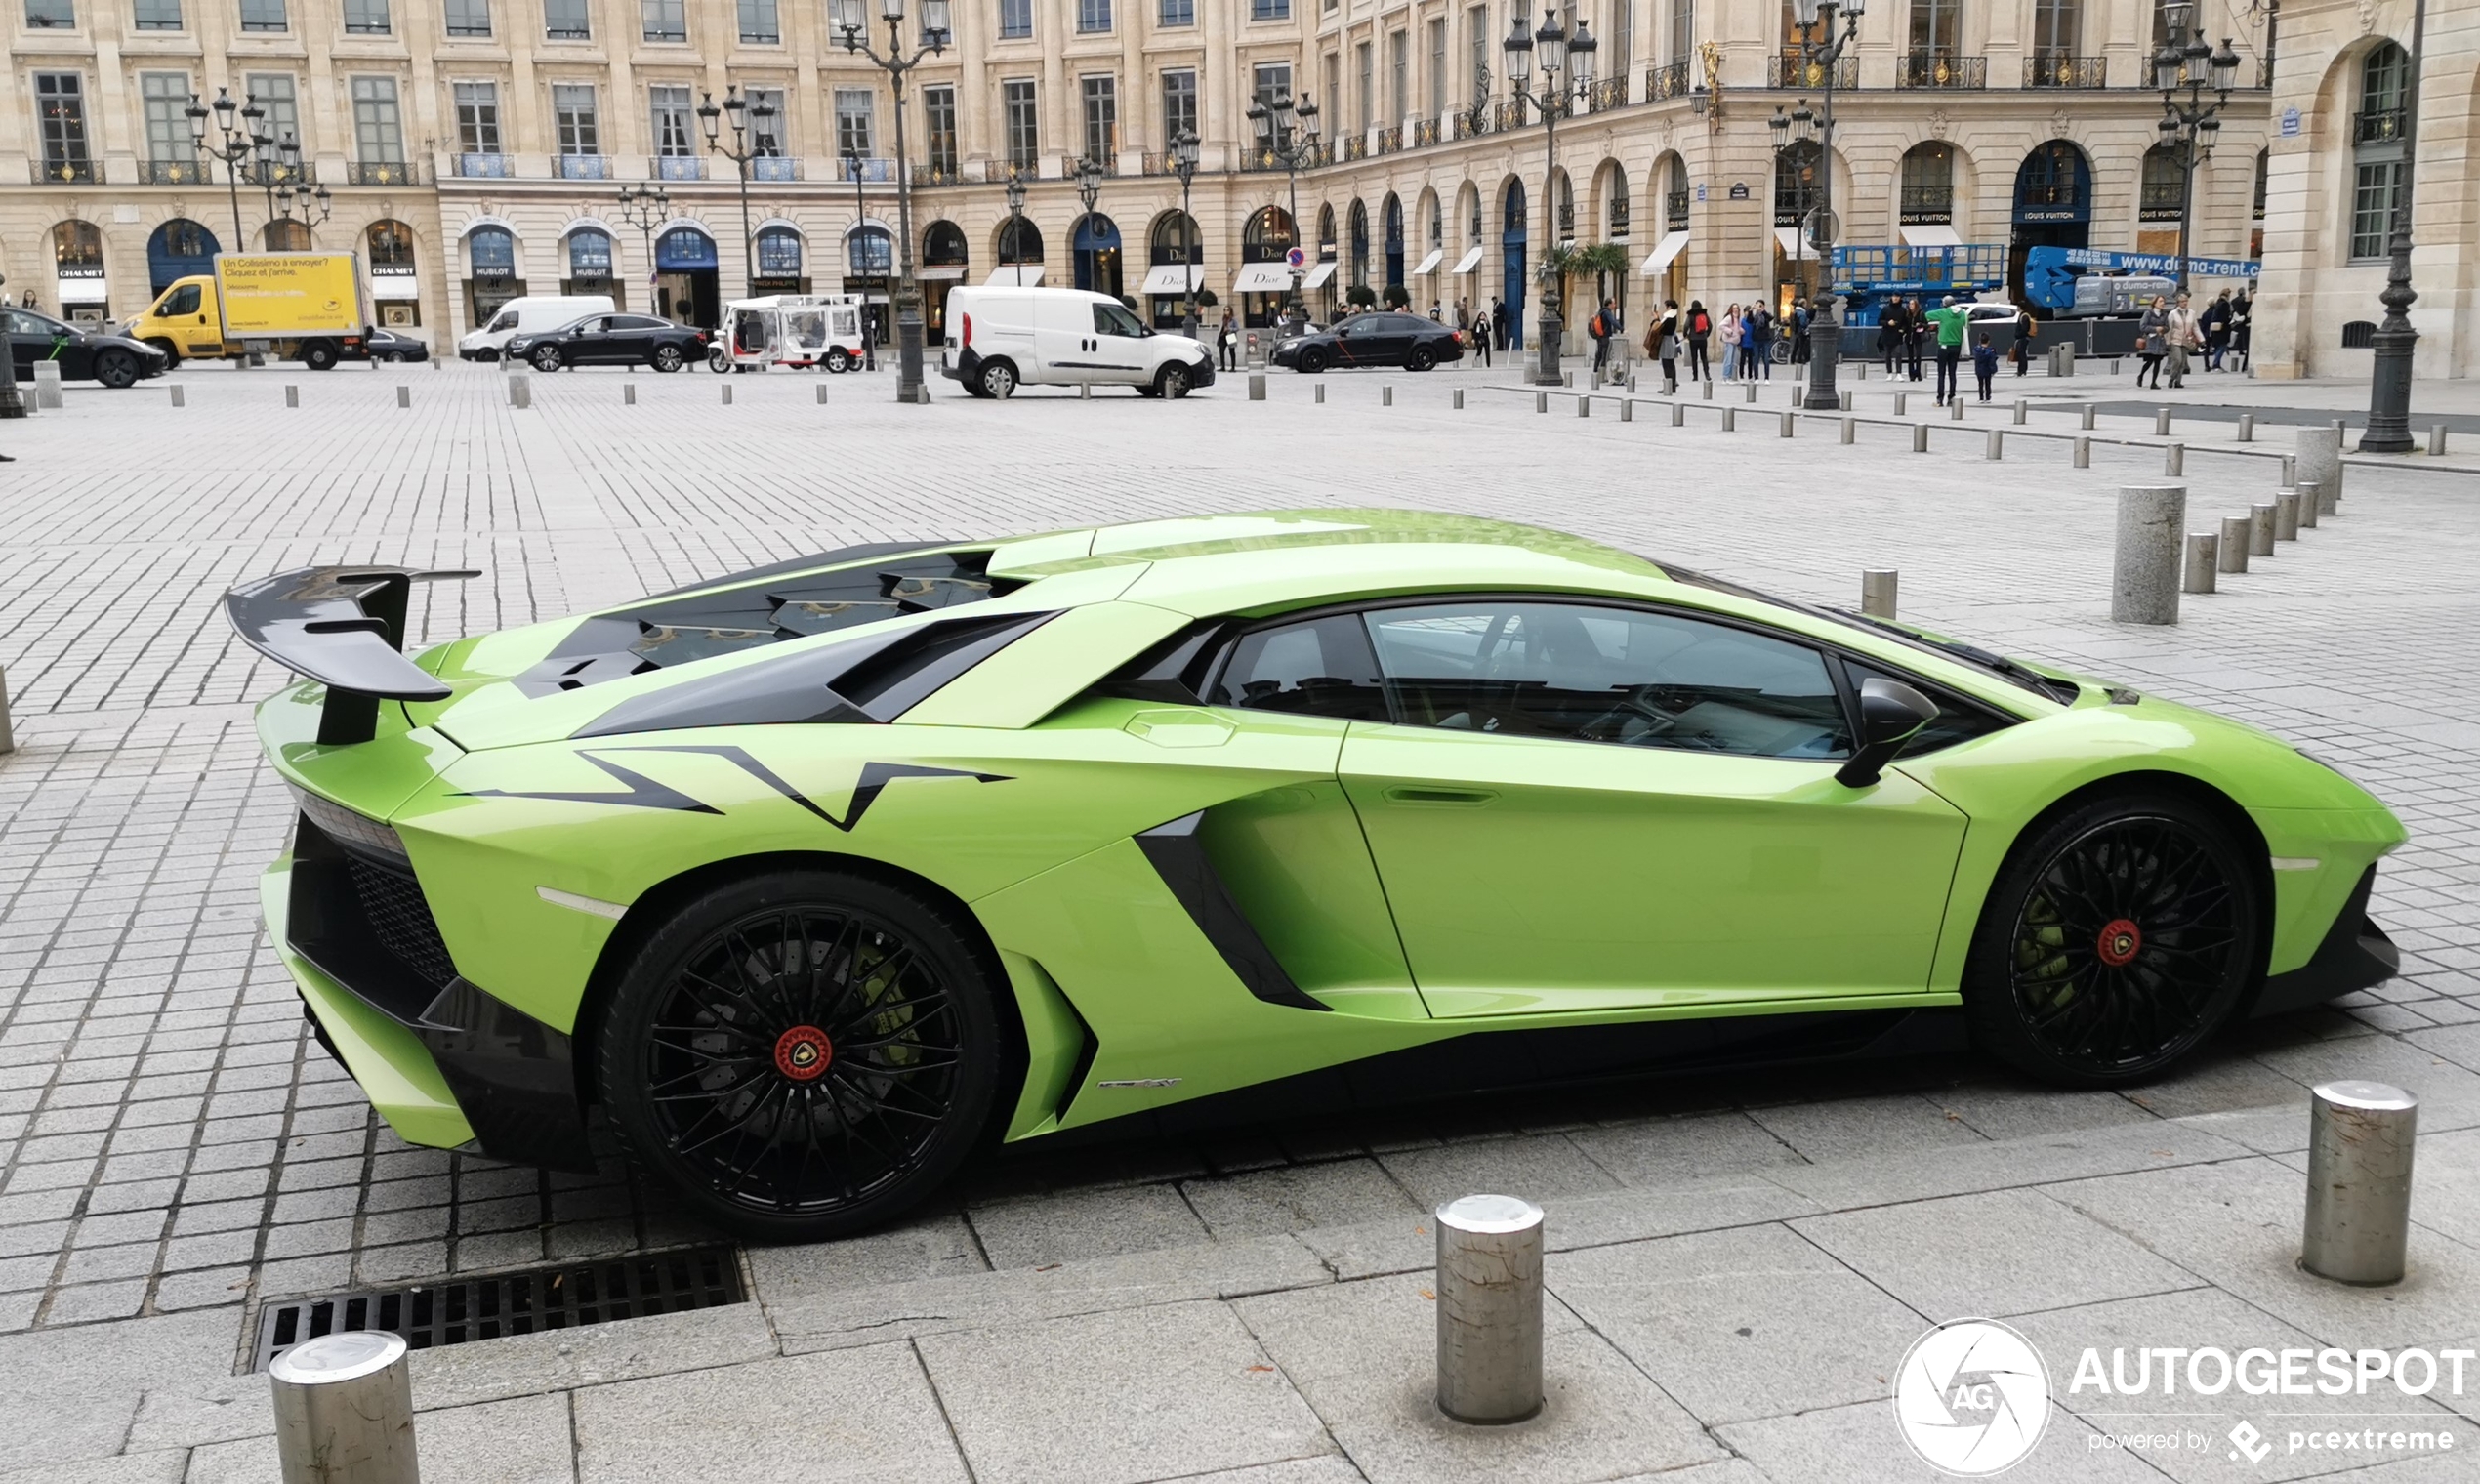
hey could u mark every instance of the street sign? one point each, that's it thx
(2290, 123)
(1296, 257)
(1739, 190)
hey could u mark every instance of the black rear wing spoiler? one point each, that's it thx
(345, 627)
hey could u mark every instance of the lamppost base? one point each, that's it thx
(12, 402)
(1546, 372)
(908, 347)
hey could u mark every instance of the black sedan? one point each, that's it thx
(1410, 341)
(115, 360)
(612, 340)
(387, 345)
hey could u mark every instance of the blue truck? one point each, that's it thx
(2088, 283)
(1869, 278)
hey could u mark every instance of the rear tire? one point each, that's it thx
(803, 1054)
(320, 355)
(1419, 358)
(668, 359)
(2116, 940)
(547, 359)
(998, 379)
(838, 361)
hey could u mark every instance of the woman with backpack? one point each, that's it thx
(1662, 343)
(1700, 331)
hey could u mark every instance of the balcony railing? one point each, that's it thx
(1666, 82)
(1473, 123)
(868, 168)
(1425, 132)
(2058, 70)
(677, 166)
(1390, 140)
(1674, 210)
(581, 167)
(1928, 203)
(774, 167)
(1260, 159)
(1940, 69)
(172, 173)
(1507, 115)
(65, 172)
(937, 174)
(1790, 69)
(264, 174)
(2378, 126)
(1607, 93)
(1356, 147)
(2162, 200)
(384, 173)
(1104, 161)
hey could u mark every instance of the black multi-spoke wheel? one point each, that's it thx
(802, 1054)
(2117, 939)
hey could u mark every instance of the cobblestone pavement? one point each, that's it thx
(172, 1148)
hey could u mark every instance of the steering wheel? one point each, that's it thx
(1637, 704)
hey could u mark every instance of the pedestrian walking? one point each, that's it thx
(1950, 321)
(2023, 341)
(2242, 310)
(1482, 331)
(2216, 326)
(1463, 313)
(1700, 326)
(2152, 342)
(1730, 342)
(1801, 319)
(1228, 338)
(2186, 340)
(1604, 328)
(1498, 321)
(1893, 330)
(1916, 334)
(1985, 364)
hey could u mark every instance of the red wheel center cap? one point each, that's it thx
(803, 1052)
(2120, 942)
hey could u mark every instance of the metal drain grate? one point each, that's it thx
(462, 1311)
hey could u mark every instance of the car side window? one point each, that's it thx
(507, 321)
(1356, 327)
(1318, 668)
(1114, 319)
(184, 301)
(1586, 673)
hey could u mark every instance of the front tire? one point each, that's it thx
(803, 1054)
(116, 369)
(1172, 381)
(2117, 939)
(171, 352)
(1311, 362)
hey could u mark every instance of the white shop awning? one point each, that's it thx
(1006, 278)
(1931, 235)
(1470, 260)
(83, 291)
(1788, 237)
(1672, 245)
(394, 286)
(1429, 264)
(1262, 279)
(1169, 278)
(1318, 275)
(940, 273)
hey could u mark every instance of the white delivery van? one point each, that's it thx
(532, 315)
(1000, 338)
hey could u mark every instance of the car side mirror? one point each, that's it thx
(1890, 714)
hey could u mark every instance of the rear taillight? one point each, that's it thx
(969, 331)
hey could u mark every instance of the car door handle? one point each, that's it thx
(1431, 792)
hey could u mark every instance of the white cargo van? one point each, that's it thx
(1000, 338)
(532, 315)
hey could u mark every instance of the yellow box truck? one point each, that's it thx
(304, 307)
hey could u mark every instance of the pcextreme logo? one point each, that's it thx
(1972, 1399)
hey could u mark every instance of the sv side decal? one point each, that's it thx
(645, 793)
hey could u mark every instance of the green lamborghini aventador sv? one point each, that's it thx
(817, 876)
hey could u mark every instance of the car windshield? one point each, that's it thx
(2013, 673)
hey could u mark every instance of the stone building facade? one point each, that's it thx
(474, 148)
(2338, 159)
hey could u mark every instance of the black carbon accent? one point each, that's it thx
(514, 1077)
(1179, 857)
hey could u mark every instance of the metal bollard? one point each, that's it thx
(404, 396)
(1257, 389)
(1860, 371)
(2204, 550)
(2436, 441)
(1751, 397)
(1385, 396)
(2360, 1138)
(2286, 516)
(727, 392)
(822, 393)
(2114, 367)
(1489, 1288)
(1954, 410)
(1730, 420)
(2319, 455)
(1567, 378)
(1707, 384)
(1902, 400)
(1540, 402)
(292, 396)
(1584, 406)
(2089, 411)
(2161, 422)
(1790, 424)
(1320, 398)
(1850, 429)
(2260, 530)
(2323, 503)
(1878, 589)
(2174, 459)
(629, 393)
(520, 391)
(1678, 414)
(1997, 443)
(2308, 508)
(1919, 437)
(47, 387)
(2246, 428)
(1627, 411)
(343, 1411)
(2023, 411)
(2144, 567)
(1631, 386)
(1844, 400)
(178, 400)
(2084, 453)
(1799, 394)
(2290, 471)
(2230, 553)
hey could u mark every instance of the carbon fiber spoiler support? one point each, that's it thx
(343, 626)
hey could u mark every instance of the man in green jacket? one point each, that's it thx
(1950, 321)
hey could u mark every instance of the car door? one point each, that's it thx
(1588, 806)
(1119, 349)
(186, 310)
(1357, 341)
(634, 337)
(592, 342)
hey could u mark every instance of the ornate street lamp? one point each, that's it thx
(2190, 125)
(1089, 190)
(237, 144)
(852, 27)
(860, 216)
(1567, 66)
(1287, 132)
(12, 400)
(1016, 223)
(742, 149)
(1183, 163)
(2390, 381)
(646, 208)
(1821, 48)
